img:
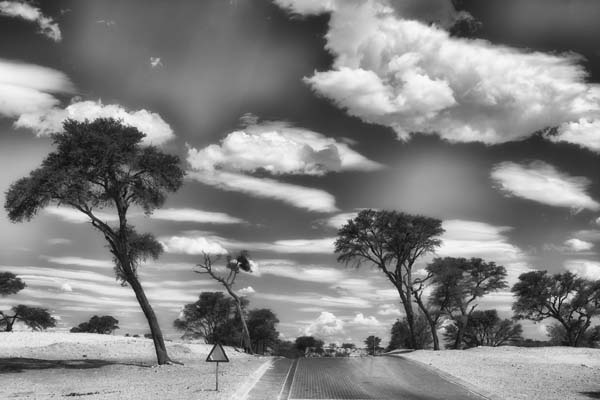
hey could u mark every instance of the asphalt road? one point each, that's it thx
(355, 378)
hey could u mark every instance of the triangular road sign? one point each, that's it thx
(217, 354)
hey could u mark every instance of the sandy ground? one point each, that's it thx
(544, 373)
(35, 365)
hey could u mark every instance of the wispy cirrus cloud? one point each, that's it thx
(298, 196)
(543, 183)
(29, 88)
(23, 10)
(194, 215)
(392, 70)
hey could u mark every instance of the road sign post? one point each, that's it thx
(217, 355)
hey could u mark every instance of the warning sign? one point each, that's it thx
(217, 354)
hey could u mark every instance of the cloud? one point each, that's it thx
(326, 326)
(80, 261)
(16, 9)
(339, 220)
(575, 244)
(59, 241)
(389, 309)
(584, 268)
(71, 215)
(193, 215)
(66, 287)
(589, 235)
(279, 148)
(489, 242)
(49, 120)
(392, 70)
(543, 183)
(188, 245)
(361, 320)
(583, 133)
(246, 291)
(291, 270)
(206, 242)
(155, 62)
(316, 300)
(295, 195)
(28, 88)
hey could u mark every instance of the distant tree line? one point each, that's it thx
(393, 242)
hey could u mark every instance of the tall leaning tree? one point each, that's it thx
(103, 165)
(392, 241)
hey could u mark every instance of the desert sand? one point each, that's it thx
(544, 373)
(50, 365)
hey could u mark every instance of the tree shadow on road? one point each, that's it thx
(592, 395)
(15, 365)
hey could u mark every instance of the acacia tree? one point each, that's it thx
(485, 328)
(372, 343)
(36, 318)
(458, 282)
(234, 265)
(212, 316)
(570, 300)
(10, 284)
(261, 325)
(98, 165)
(104, 325)
(392, 241)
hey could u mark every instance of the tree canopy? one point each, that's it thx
(10, 284)
(261, 325)
(36, 318)
(372, 343)
(457, 284)
(104, 325)
(564, 297)
(393, 241)
(485, 328)
(97, 165)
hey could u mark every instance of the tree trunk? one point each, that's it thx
(238, 303)
(9, 325)
(430, 320)
(410, 316)
(461, 325)
(159, 343)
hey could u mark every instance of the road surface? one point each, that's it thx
(379, 378)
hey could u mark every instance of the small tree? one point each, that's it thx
(485, 328)
(569, 300)
(349, 346)
(261, 325)
(234, 265)
(372, 343)
(36, 318)
(392, 241)
(104, 325)
(10, 284)
(98, 165)
(458, 283)
(213, 317)
(306, 342)
(400, 334)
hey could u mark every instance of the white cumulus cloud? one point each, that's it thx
(279, 148)
(575, 244)
(543, 183)
(247, 291)
(326, 326)
(361, 320)
(20, 9)
(49, 121)
(584, 268)
(393, 70)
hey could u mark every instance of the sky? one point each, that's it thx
(290, 116)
